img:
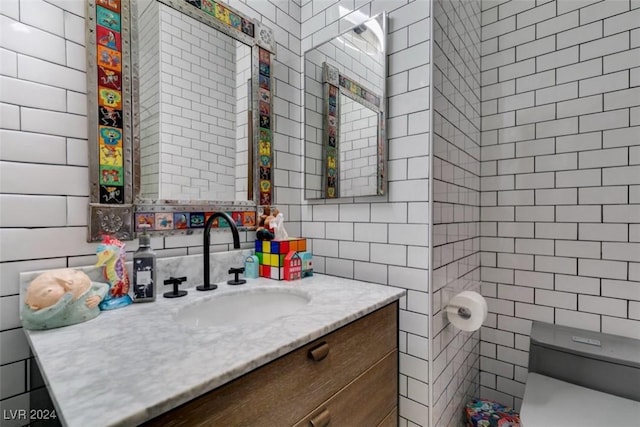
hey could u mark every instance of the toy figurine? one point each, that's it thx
(277, 225)
(264, 231)
(60, 298)
(112, 256)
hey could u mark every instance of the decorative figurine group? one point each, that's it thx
(65, 297)
(271, 225)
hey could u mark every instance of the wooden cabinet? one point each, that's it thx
(348, 377)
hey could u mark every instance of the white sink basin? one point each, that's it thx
(256, 305)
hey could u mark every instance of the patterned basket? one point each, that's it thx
(486, 413)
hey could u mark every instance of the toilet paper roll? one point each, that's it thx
(467, 311)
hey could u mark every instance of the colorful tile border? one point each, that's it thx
(180, 221)
(225, 15)
(265, 143)
(359, 91)
(332, 140)
(110, 100)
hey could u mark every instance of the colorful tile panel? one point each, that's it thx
(224, 15)
(167, 221)
(265, 132)
(109, 91)
(331, 150)
(358, 90)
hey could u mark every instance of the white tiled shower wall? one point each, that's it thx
(385, 239)
(43, 158)
(456, 201)
(560, 176)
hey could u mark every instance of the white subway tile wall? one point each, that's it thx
(385, 239)
(560, 248)
(43, 159)
(454, 354)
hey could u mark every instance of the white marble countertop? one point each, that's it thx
(129, 365)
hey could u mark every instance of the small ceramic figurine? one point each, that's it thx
(61, 298)
(277, 224)
(112, 256)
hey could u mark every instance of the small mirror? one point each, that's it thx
(194, 102)
(345, 110)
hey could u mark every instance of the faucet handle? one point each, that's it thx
(236, 281)
(175, 281)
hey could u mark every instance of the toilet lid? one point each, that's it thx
(551, 402)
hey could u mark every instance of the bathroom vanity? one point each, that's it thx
(333, 358)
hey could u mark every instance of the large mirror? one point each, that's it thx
(183, 91)
(345, 110)
(194, 92)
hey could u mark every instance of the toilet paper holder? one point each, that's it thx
(463, 312)
(465, 309)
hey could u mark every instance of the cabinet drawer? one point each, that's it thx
(287, 389)
(365, 402)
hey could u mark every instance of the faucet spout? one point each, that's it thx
(206, 241)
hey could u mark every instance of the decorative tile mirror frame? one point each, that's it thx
(335, 86)
(116, 206)
(345, 112)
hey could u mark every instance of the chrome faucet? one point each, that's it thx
(206, 286)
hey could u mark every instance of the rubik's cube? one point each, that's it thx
(271, 255)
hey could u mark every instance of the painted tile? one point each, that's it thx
(209, 7)
(237, 218)
(164, 221)
(265, 108)
(265, 160)
(181, 220)
(111, 194)
(113, 5)
(265, 173)
(108, 38)
(235, 21)
(222, 14)
(265, 148)
(264, 82)
(111, 175)
(247, 27)
(110, 117)
(145, 219)
(265, 199)
(109, 79)
(265, 95)
(109, 98)
(110, 136)
(265, 186)
(196, 220)
(111, 155)
(265, 121)
(107, 18)
(195, 3)
(109, 58)
(249, 219)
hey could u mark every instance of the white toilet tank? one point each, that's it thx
(581, 378)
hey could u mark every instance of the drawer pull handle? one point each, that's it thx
(320, 352)
(321, 420)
